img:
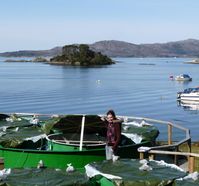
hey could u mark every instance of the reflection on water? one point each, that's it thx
(183, 82)
(189, 105)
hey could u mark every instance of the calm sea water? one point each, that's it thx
(133, 87)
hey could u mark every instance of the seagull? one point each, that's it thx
(40, 164)
(115, 158)
(144, 166)
(9, 120)
(34, 120)
(143, 161)
(126, 127)
(70, 168)
(16, 129)
(4, 173)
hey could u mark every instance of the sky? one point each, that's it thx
(44, 24)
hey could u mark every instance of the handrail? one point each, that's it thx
(174, 153)
(176, 144)
(77, 141)
(191, 156)
(161, 148)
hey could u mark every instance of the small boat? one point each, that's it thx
(191, 94)
(194, 61)
(171, 77)
(183, 77)
(58, 140)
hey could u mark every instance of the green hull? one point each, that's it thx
(23, 158)
(18, 158)
(20, 150)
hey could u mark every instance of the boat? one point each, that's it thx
(191, 94)
(58, 140)
(183, 77)
(194, 61)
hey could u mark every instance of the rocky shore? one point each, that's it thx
(38, 59)
(74, 55)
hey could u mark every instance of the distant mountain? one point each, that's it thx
(113, 48)
(185, 48)
(33, 53)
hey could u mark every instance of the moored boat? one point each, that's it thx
(62, 139)
(183, 77)
(191, 94)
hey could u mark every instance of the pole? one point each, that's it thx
(82, 133)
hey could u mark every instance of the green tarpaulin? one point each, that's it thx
(129, 171)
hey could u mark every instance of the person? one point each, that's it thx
(113, 134)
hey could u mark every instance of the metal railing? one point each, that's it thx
(171, 145)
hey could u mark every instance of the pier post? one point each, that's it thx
(191, 162)
(176, 156)
(141, 155)
(189, 144)
(169, 134)
(1, 163)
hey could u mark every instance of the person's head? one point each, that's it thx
(111, 115)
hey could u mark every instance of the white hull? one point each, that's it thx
(189, 96)
(183, 79)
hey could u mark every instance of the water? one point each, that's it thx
(134, 87)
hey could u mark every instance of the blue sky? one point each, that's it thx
(44, 24)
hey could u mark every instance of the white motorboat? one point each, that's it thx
(191, 94)
(183, 77)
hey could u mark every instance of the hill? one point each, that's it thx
(113, 48)
(33, 53)
(185, 48)
(80, 55)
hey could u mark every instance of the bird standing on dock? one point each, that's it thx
(34, 120)
(40, 164)
(70, 168)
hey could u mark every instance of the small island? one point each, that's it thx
(80, 55)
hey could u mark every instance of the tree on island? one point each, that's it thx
(80, 55)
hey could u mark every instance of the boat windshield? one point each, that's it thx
(189, 90)
(185, 76)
